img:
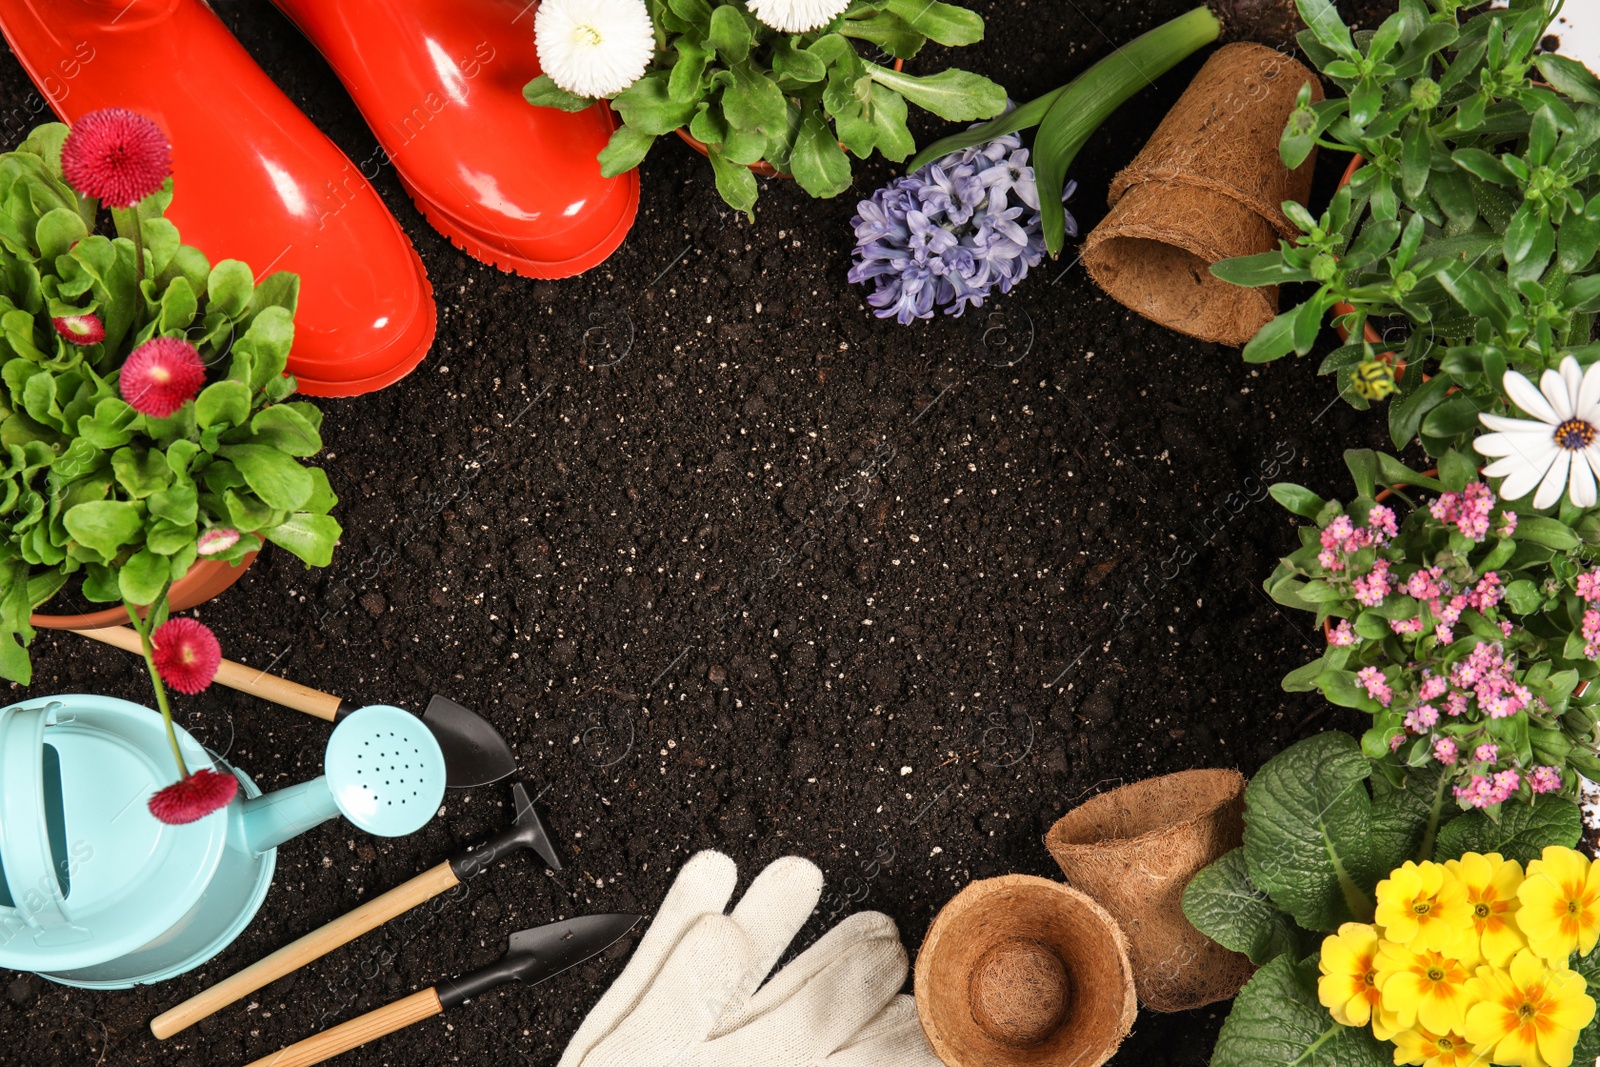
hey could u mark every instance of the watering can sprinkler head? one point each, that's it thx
(382, 771)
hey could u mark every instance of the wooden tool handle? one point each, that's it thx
(357, 1032)
(237, 676)
(313, 946)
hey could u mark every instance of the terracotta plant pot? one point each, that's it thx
(206, 579)
(760, 166)
(1134, 850)
(1024, 972)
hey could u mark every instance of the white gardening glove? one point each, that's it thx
(689, 997)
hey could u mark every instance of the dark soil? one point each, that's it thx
(736, 565)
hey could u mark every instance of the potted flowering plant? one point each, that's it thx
(144, 415)
(1474, 221)
(1390, 930)
(1464, 627)
(774, 81)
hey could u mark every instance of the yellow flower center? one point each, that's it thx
(1435, 974)
(1527, 1010)
(1481, 911)
(1421, 907)
(1572, 907)
(590, 36)
(1371, 978)
(1445, 1044)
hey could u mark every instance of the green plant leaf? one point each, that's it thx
(104, 526)
(224, 403)
(647, 107)
(542, 92)
(735, 183)
(944, 23)
(277, 479)
(752, 102)
(143, 577)
(1522, 832)
(229, 288)
(1221, 903)
(889, 32)
(1273, 341)
(729, 33)
(625, 151)
(311, 537)
(1298, 499)
(1308, 824)
(1277, 1019)
(951, 94)
(817, 162)
(294, 429)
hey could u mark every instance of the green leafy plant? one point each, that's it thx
(90, 487)
(1463, 626)
(1474, 220)
(798, 101)
(1320, 833)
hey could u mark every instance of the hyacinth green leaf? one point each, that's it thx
(1277, 1019)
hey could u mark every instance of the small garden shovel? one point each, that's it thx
(527, 832)
(474, 752)
(531, 957)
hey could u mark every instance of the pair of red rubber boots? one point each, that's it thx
(440, 83)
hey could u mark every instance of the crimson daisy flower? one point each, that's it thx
(83, 329)
(186, 653)
(195, 797)
(161, 375)
(116, 155)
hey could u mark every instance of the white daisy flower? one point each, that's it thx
(1559, 452)
(796, 16)
(594, 47)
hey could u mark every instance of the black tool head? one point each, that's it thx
(540, 953)
(527, 831)
(474, 752)
(546, 951)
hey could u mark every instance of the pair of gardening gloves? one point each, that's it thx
(693, 994)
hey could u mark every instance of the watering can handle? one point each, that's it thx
(27, 866)
(357, 1032)
(238, 676)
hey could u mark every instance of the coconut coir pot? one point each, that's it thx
(1134, 850)
(1021, 971)
(1206, 187)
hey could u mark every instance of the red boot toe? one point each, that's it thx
(254, 180)
(440, 83)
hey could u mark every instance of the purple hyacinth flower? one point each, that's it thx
(948, 235)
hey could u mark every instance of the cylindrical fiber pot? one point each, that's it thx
(1207, 186)
(1134, 850)
(1021, 971)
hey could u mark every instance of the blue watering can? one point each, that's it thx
(96, 892)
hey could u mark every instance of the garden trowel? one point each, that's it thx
(531, 957)
(474, 752)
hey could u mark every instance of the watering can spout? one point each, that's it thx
(268, 821)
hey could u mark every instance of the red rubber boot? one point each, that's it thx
(440, 83)
(253, 178)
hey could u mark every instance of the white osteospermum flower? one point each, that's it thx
(594, 47)
(1560, 451)
(796, 16)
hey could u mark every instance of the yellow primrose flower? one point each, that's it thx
(1428, 1049)
(1347, 987)
(1560, 900)
(1423, 906)
(1529, 1015)
(1427, 987)
(1491, 885)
